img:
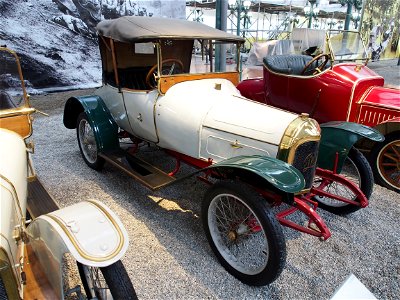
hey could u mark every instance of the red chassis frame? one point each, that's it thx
(303, 203)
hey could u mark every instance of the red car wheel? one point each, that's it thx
(385, 161)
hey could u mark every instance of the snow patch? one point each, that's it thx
(56, 39)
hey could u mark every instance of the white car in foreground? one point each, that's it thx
(38, 239)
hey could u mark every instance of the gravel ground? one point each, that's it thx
(169, 256)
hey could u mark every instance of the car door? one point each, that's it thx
(140, 107)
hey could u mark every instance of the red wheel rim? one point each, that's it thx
(389, 163)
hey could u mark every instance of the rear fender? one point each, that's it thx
(88, 230)
(99, 117)
(262, 171)
(339, 137)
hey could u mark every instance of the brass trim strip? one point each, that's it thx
(15, 196)
(293, 149)
(159, 66)
(293, 138)
(155, 116)
(9, 246)
(204, 73)
(22, 110)
(83, 253)
(21, 77)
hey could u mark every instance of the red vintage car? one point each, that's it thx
(336, 85)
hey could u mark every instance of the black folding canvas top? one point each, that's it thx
(136, 29)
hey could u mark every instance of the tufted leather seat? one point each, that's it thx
(291, 64)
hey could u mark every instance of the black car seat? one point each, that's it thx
(291, 64)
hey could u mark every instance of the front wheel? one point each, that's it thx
(111, 282)
(356, 169)
(87, 143)
(385, 161)
(243, 233)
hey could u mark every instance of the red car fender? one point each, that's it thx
(252, 89)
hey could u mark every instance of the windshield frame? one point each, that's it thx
(25, 97)
(363, 56)
(164, 82)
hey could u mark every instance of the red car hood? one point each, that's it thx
(384, 97)
(356, 72)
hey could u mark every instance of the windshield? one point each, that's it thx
(138, 68)
(201, 56)
(11, 86)
(347, 46)
(343, 45)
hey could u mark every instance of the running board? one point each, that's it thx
(39, 201)
(140, 170)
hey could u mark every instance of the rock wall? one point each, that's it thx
(56, 39)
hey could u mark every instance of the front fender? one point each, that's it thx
(339, 137)
(272, 171)
(88, 230)
(99, 117)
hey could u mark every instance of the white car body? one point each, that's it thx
(155, 91)
(13, 193)
(88, 230)
(32, 253)
(209, 124)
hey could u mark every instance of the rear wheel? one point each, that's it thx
(243, 233)
(111, 282)
(385, 161)
(356, 169)
(87, 143)
(3, 293)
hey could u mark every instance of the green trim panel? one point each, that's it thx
(99, 117)
(340, 137)
(281, 175)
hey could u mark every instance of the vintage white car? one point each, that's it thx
(163, 84)
(38, 239)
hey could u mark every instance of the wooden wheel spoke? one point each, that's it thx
(391, 157)
(389, 164)
(394, 149)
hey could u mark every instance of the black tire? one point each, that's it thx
(113, 278)
(87, 143)
(3, 293)
(357, 169)
(385, 161)
(250, 221)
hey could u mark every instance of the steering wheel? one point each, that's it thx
(173, 66)
(319, 68)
